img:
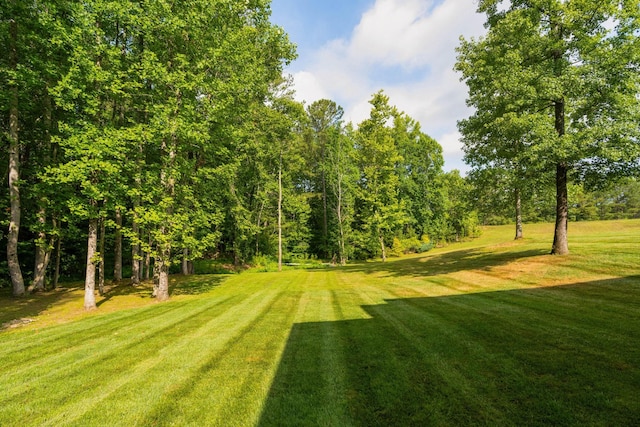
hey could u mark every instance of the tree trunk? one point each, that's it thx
(147, 260)
(384, 250)
(258, 222)
(325, 220)
(14, 169)
(135, 251)
(280, 213)
(185, 262)
(90, 276)
(101, 258)
(162, 293)
(518, 198)
(56, 271)
(164, 248)
(43, 255)
(40, 267)
(117, 266)
(343, 257)
(156, 276)
(560, 237)
(43, 248)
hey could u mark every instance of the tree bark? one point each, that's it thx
(135, 251)
(518, 198)
(56, 271)
(560, 237)
(90, 276)
(162, 293)
(14, 169)
(384, 250)
(43, 256)
(185, 262)
(117, 266)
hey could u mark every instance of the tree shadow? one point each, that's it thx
(18, 311)
(195, 284)
(563, 355)
(444, 263)
(178, 285)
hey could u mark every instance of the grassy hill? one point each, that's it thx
(486, 332)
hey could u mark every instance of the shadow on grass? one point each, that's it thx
(16, 311)
(565, 355)
(195, 284)
(448, 262)
(178, 285)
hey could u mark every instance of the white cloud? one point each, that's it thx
(407, 48)
(308, 87)
(451, 143)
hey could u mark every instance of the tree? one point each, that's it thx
(324, 128)
(342, 178)
(461, 219)
(381, 210)
(553, 76)
(419, 172)
(14, 155)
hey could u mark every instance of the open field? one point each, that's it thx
(487, 332)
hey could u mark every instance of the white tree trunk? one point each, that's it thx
(519, 234)
(14, 170)
(90, 276)
(162, 293)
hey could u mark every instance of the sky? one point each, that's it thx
(350, 49)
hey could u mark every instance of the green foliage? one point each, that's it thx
(554, 86)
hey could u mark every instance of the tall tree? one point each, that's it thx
(14, 154)
(342, 178)
(324, 123)
(377, 156)
(418, 172)
(566, 72)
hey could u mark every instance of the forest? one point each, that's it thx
(141, 136)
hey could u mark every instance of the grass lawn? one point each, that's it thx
(487, 332)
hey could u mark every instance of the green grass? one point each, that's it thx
(487, 332)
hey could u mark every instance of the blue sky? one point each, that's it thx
(350, 49)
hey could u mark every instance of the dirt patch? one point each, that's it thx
(16, 323)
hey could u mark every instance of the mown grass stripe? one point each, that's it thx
(55, 338)
(97, 350)
(173, 361)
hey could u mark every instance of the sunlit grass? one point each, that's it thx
(489, 332)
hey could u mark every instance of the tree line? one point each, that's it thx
(146, 134)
